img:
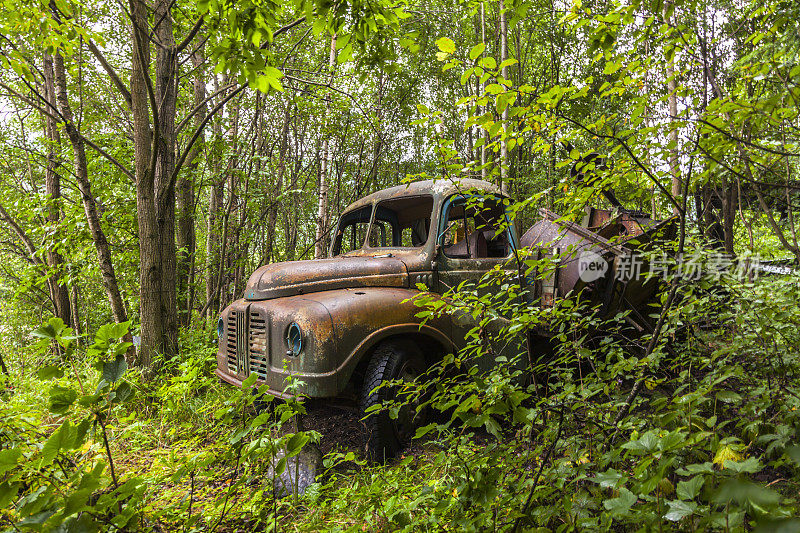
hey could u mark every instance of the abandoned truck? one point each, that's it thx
(346, 323)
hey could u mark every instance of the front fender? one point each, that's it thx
(364, 317)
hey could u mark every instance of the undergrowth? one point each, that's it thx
(699, 433)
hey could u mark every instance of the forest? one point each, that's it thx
(155, 153)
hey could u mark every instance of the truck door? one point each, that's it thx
(474, 237)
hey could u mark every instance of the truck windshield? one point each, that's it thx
(398, 223)
(401, 222)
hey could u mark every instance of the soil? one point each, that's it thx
(339, 423)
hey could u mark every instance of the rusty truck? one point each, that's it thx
(344, 324)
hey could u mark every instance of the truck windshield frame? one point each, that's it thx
(394, 223)
(409, 218)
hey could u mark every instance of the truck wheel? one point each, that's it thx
(391, 361)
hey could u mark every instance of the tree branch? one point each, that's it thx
(20, 233)
(199, 131)
(57, 116)
(636, 160)
(126, 94)
(286, 28)
(192, 33)
(200, 106)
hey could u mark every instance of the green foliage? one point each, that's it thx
(53, 480)
(710, 442)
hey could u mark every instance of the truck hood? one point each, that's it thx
(316, 275)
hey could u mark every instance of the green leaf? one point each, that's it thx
(488, 62)
(109, 332)
(114, 370)
(124, 392)
(611, 67)
(689, 490)
(62, 438)
(296, 443)
(45, 331)
(507, 63)
(280, 468)
(610, 478)
(275, 84)
(779, 525)
(446, 45)
(728, 396)
(793, 452)
(646, 443)
(476, 51)
(679, 509)
(250, 381)
(49, 372)
(697, 468)
(424, 430)
(748, 466)
(744, 492)
(621, 504)
(61, 399)
(495, 88)
(8, 493)
(8, 460)
(272, 72)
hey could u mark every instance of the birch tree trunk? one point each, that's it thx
(479, 92)
(272, 217)
(185, 198)
(322, 204)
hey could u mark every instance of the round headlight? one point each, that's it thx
(294, 339)
(220, 327)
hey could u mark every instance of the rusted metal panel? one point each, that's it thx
(302, 277)
(569, 241)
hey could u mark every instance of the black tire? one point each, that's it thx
(391, 360)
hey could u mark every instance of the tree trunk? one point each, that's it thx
(81, 169)
(73, 302)
(272, 217)
(149, 268)
(164, 182)
(322, 203)
(479, 92)
(378, 144)
(186, 237)
(59, 292)
(504, 73)
(214, 228)
(672, 87)
(231, 271)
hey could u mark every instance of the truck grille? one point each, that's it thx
(258, 344)
(241, 343)
(230, 342)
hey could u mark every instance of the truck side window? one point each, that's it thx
(353, 236)
(351, 232)
(473, 228)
